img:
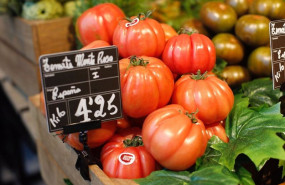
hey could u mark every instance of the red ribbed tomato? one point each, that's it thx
(98, 23)
(141, 36)
(124, 156)
(146, 84)
(212, 97)
(218, 130)
(96, 44)
(173, 137)
(168, 31)
(189, 53)
(95, 137)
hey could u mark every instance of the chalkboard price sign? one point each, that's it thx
(81, 87)
(277, 44)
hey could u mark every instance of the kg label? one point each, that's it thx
(127, 158)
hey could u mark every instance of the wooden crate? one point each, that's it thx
(63, 158)
(34, 38)
(20, 70)
(23, 41)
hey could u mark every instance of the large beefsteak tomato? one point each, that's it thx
(146, 84)
(173, 137)
(139, 36)
(98, 23)
(212, 97)
(124, 156)
(189, 53)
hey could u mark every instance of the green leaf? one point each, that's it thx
(212, 175)
(282, 164)
(211, 156)
(252, 133)
(219, 67)
(166, 177)
(244, 176)
(260, 91)
(67, 181)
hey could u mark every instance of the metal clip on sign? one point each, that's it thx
(84, 158)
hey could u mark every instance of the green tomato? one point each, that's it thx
(253, 30)
(259, 62)
(228, 47)
(240, 6)
(195, 25)
(235, 75)
(273, 9)
(218, 16)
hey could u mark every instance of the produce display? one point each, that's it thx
(202, 95)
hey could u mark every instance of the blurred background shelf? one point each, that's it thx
(18, 157)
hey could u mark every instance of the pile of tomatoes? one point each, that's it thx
(239, 30)
(171, 100)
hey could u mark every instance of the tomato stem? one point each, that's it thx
(192, 116)
(141, 16)
(134, 142)
(186, 31)
(136, 61)
(199, 76)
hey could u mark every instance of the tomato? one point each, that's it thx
(253, 30)
(98, 23)
(124, 156)
(168, 31)
(273, 9)
(235, 75)
(141, 36)
(146, 85)
(259, 62)
(228, 47)
(218, 130)
(173, 138)
(240, 6)
(95, 137)
(218, 16)
(212, 97)
(189, 53)
(96, 44)
(123, 123)
(195, 25)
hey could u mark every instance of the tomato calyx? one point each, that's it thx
(134, 142)
(199, 76)
(136, 61)
(186, 31)
(141, 16)
(192, 116)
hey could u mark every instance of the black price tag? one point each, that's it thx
(277, 45)
(81, 87)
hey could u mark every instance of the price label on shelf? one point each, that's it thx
(81, 87)
(277, 45)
